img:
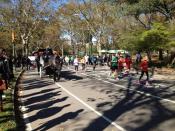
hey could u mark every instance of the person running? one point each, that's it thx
(121, 62)
(76, 63)
(83, 62)
(114, 66)
(94, 62)
(86, 59)
(144, 69)
(138, 60)
(67, 61)
(128, 62)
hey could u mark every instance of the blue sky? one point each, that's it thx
(58, 3)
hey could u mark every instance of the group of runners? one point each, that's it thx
(120, 64)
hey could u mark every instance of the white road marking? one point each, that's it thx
(141, 92)
(98, 113)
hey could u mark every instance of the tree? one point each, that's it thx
(154, 39)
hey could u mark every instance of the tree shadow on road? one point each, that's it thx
(131, 101)
(46, 112)
(34, 83)
(70, 75)
(39, 92)
(41, 98)
(45, 104)
(48, 125)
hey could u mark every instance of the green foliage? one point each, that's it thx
(154, 39)
(171, 44)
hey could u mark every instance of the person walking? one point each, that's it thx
(56, 62)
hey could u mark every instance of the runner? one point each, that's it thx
(83, 62)
(121, 62)
(94, 62)
(144, 69)
(128, 62)
(114, 66)
(66, 60)
(137, 62)
(76, 63)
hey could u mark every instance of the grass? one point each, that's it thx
(7, 119)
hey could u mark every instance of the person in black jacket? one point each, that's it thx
(3, 75)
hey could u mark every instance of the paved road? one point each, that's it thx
(92, 101)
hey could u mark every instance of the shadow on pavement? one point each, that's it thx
(40, 92)
(34, 83)
(41, 98)
(132, 99)
(59, 120)
(47, 112)
(70, 75)
(45, 104)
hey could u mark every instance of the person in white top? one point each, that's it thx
(67, 60)
(76, 63)
(86, 59)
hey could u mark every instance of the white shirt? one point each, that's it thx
(75, 61)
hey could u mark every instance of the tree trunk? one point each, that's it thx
(149, 56)
(161, 54)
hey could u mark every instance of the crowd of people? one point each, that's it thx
(51, 62)
(119, 63)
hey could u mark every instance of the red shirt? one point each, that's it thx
(144, 65)
(120, 62)
(128, 62)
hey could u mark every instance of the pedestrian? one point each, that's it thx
(144, 69)
(128, 62)
(137, 61)
(83, 62)
(37, 60)
(72, 60)
(56, 62)
(28, 63)
(86, 59)
(114, 66)
(94, 62)
(76, 63)
(3, 77)
(67, 60)
(23, 62)
(121, 62)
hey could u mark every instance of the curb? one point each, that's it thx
(20, 126)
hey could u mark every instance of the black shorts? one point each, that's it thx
(114, 68)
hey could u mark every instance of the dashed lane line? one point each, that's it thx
(92, 109)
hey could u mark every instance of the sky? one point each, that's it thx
(59, 3)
